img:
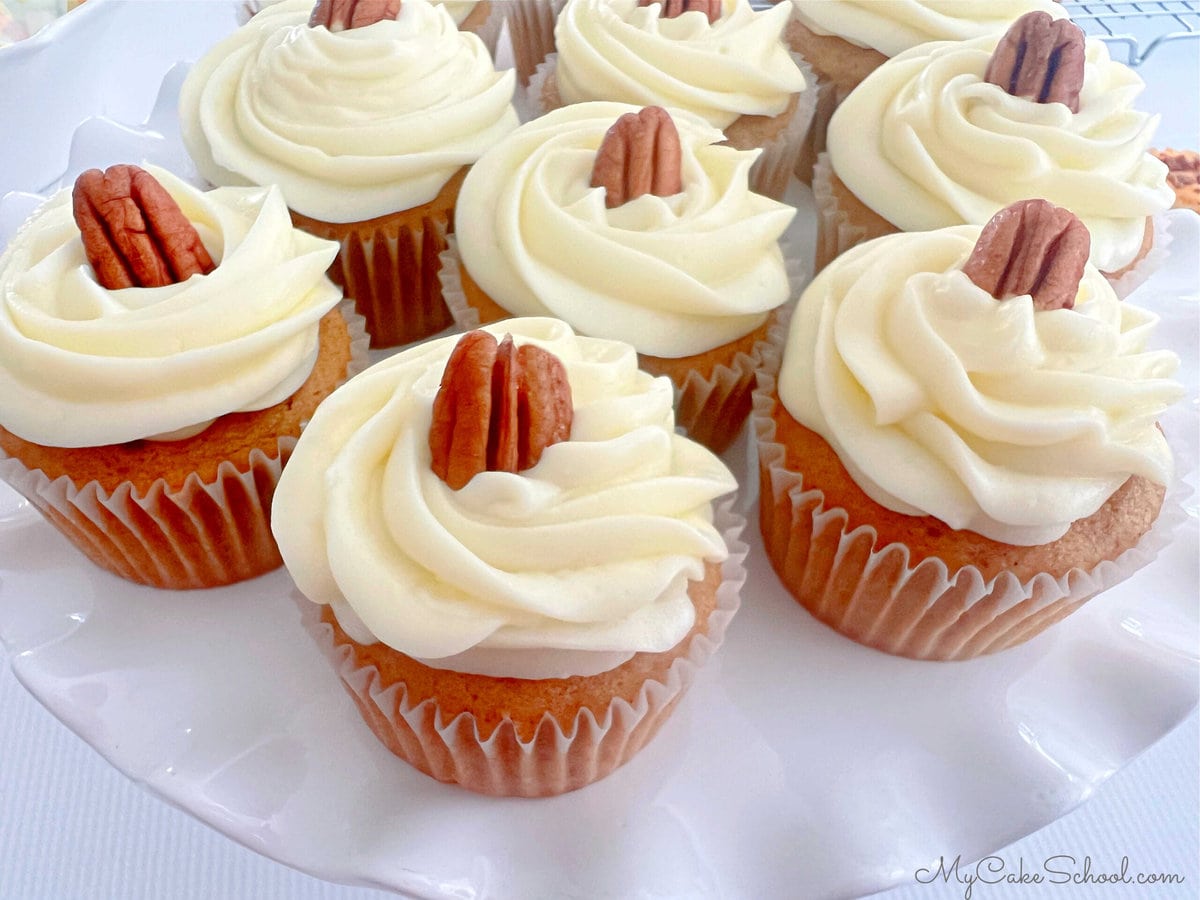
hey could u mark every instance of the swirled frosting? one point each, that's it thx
(673, 275)
(84, 366)
(353, 124)
(584, 558)
(893, 26)
(616, 50)
(926, 143)
(990, 415)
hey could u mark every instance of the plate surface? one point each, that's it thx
(799, 758)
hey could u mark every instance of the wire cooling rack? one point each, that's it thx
(1140, 27)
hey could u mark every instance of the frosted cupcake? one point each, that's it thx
(687, 270)
(731, 68)
(152, 390)
(282, 101)
(514, 591)
(945, 474)
(944, 135)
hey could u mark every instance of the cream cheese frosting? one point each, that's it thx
(893, 26)
(616, 50)
(585, 558)
(673, 276)
(926, 143)
(85, 366)
(990, 415)
(351, 125)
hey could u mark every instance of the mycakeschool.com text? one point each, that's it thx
(994, 871)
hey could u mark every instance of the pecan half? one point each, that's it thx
(338, 15)
(1041, 59)
(1183, 175)
(498, 408)
(134, 233)
(1031, 247)
(673, 8)
(640, 155)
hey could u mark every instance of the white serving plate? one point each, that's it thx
(799, 758)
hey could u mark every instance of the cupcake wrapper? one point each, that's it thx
(828, 96)
(836, 231)
(388, 267)
(711, 409)
(557, 759)
(1154, 259)
(873, 595)
(531, 29)
(488, 27)
(773, 170)
(204, 534)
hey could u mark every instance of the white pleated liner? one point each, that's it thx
(531, 30)
(557, 759)
(203, 534)
(772, 172)
(873, 595)
(836, 233)
(711, 410)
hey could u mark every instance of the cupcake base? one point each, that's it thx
(530, 738)
(912, 586)
(183, 514)
(389, 266)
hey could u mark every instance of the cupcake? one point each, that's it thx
(945, 474)
(949, 133)
(674, 255)
(729, 66)
(514, 560)
(285, 101)
(160, 349)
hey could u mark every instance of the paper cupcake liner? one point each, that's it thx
(710, 407)
(828, 96)
(389, 267)
(1155, 258)
(531, 29)
(200, 535)
(486, 21)
(837, 230)
(557, 759)
(781, 143)
(875, 596)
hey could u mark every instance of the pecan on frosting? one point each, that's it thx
(339, 15)
(1031, 247)
(133, 231)
(673, 8)
(498, 408)
(640, 154)
(1041, 59)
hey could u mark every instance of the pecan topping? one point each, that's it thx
(134, 233)
(1031, 247)
(338, 15)
(673, 8)
(640, 154)
(499, 406)
(1040, 59)
(1183, 175)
